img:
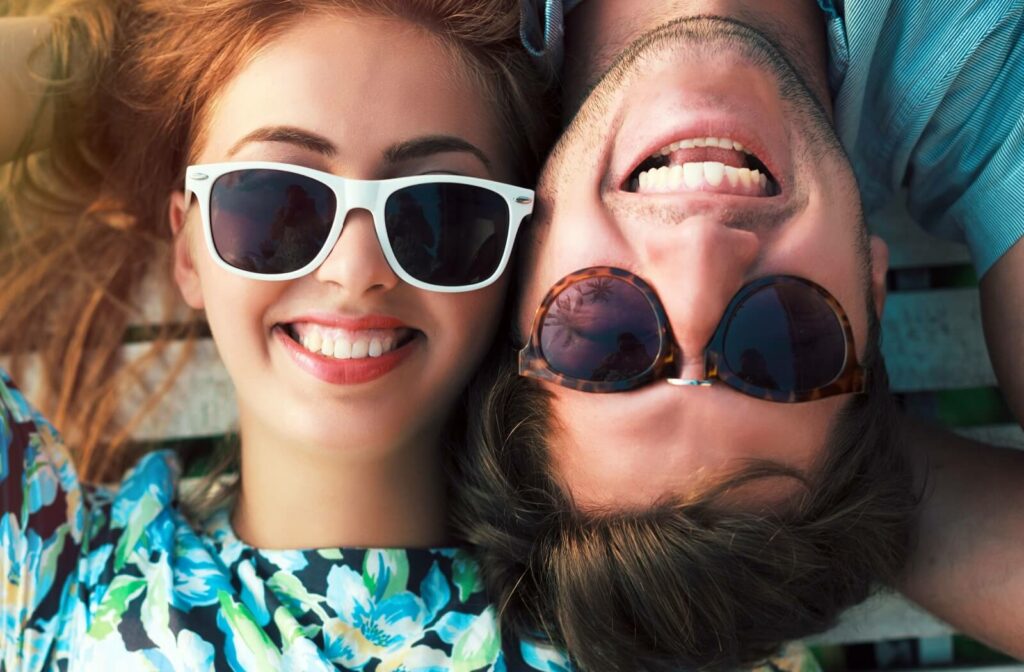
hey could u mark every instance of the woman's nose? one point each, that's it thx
(696, 274)
(357, 263)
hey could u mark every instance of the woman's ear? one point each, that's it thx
(879, 271)
(185, 274)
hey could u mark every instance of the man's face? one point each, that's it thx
(697, 89)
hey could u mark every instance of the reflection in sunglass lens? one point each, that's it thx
(447, 234)
(270, 221)
(600, 329)
(785, 337)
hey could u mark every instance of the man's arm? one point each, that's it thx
(1002, 314)
(967, 565)
(22, 93)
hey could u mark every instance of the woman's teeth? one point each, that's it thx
(349, 345)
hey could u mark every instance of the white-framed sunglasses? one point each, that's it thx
(278, 221)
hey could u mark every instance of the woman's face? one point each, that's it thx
(346, 95)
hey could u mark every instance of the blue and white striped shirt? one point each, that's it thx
(930, 96)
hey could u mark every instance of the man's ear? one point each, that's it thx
(879, 271)
(185, 274)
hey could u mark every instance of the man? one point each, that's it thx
(926, 101)
(685, 520)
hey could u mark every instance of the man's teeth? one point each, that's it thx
(722, 143)
(348, 347)
(693, 176)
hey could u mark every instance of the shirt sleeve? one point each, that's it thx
(41, 521)
(966, 172)
(931, 103)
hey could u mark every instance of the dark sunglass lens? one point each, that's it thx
(600, 329)
(270, 221)
(785, 337)
(447, 234)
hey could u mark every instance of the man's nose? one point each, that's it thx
(357, 263)
(696, 273)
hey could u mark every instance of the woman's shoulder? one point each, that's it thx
(42, 523)
(139, 514)
(41, 492)
(61, 539)
(41, 486)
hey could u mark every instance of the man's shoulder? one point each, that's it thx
(889, 41)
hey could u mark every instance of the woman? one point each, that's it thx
(236, 138)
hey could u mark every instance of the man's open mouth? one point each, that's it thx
(706, 164)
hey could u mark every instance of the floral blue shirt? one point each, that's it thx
(115, 578)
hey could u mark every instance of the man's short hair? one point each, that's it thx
(700, 584)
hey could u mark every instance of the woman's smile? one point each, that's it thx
(345, 351)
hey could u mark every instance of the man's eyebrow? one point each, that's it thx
(429, 145)
(290, 135)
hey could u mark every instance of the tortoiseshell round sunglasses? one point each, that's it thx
(781, 338)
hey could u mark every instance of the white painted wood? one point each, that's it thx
(932, 651)
(202, 404)
(201, 401)
(1008, 435)
(883, 616)
(1013, 667)
(157, 301)
(932, 340)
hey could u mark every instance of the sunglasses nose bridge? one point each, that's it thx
(688, 373)
(356, 257)
(358, 195)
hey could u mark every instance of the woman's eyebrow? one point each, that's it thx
(406, 150)
(429, 145)
(290, 135)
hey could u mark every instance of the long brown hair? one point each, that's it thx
(84, 224)
(693, 584)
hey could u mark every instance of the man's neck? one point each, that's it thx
(597, 31)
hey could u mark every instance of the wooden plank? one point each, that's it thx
(153, 292)
(201, 402)
(933, 651)
(929, 342)
(1008, 435)
(883, 616)
(910, 246)
(932, 340)
(1013, 667)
